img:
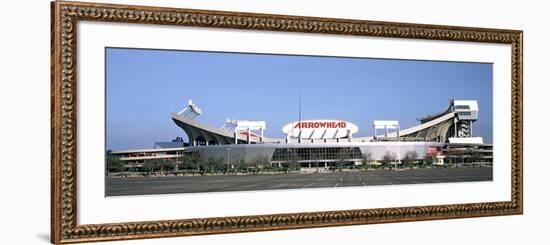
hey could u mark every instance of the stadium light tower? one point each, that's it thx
(386, 125)
(238, 126)
(191, 111)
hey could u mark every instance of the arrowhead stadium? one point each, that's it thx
(445, 137)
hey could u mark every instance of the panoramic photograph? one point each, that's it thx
(184, 121)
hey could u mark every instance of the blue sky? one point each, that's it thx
(145, 86)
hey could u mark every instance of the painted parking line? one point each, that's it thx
(242, 187)
(306, 186)
(279, 186)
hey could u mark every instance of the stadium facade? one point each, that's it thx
(446, 136)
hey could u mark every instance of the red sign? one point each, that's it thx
(320, 125)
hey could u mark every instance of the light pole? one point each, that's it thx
(398, 149)
(228, 150)
(397, 155)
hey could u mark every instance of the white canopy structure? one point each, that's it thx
(386, 125)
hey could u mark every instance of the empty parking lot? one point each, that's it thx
(220, 183)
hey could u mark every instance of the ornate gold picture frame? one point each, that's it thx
(64, 108)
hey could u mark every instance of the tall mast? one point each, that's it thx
(299, 117)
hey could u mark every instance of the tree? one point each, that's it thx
(241, 165)
(260, 162)
(409, 157)
(150, 166)
(366, 158)
(161, 165)
(209, 164)
(213, 164)
(219, 166)
(341, 158)
(113, 163)
(428, 160)
(184, 159)
(388, 158)
(165, 166)
(190, 162)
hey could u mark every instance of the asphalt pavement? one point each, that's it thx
(222, 183)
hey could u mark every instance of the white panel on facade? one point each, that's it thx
(466, 140)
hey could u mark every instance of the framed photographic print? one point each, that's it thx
(238, 122)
